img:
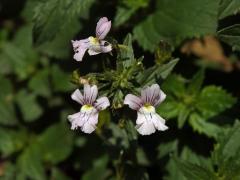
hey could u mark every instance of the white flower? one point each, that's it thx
(87, 118)
(94, 45)
(147, 118)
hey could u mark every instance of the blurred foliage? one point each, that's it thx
(38, 74)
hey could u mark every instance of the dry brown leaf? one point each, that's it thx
(208, 49)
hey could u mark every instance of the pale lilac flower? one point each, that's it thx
(94, 45)
(147, 118)
(87, 117)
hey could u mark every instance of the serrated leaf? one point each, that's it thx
(193, 171)
(150, 75)
(51, 17)
(228, 7)
(191, 156)
(228, 144)
(174, 22)
(213, 100)
(202, 126)
(226, 154)
(62, 146)
(231, 36)
(28, 105)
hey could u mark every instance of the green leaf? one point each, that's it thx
(60, 80)
(123, 14)
(126, 54)
(183, 115)
(11, 141)
(169, 109)
(167, 148)
(175, 85)
(59, 47)
(9, 171)
(228, 144)
(118, 100)
(228, 7)
(20, 54)
(142, 157)
(174, 22)
(119, 136)
(52, 16)
(57, 174)
(191, 156)
(127, 9)
(40, 84)
(28, 105)
(213, 100)
(61, 148)
(193, 171)
(231, 36)
(150, 75)
(30, 164)
(196, 82)
(98, 171)
(226, 155)
(202, 126)
(7, 112)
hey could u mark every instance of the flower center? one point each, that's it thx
(86, 108)
(148, 108)
(93, 40)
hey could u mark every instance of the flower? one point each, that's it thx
(87, 118)
(94, 45)
(147, 118)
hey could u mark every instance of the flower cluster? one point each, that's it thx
(148, 121)
(94, 45)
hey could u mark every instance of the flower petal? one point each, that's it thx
(147, 123)
(80, 48)
(153, 95)
(144, 124)
(101, 21)
(161, 99)
(102, 103)
(75, 120)
(159, 122)
(105, 46)
(103, 27)
(77, 96)
(90, 125)
(133, 101)
(90, 93)
(86, 121)
(91, 52)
